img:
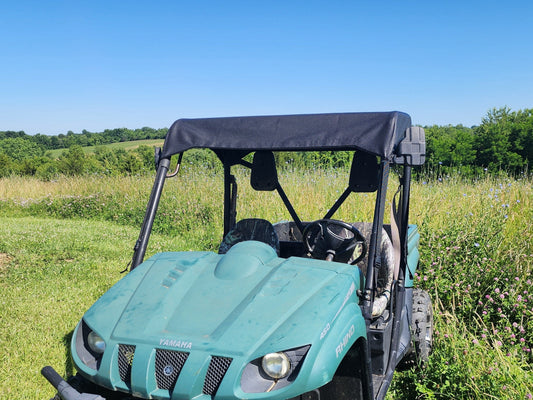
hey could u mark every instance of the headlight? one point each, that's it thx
(95, 342)
(273, 371)
(276, 365)
(88, 346)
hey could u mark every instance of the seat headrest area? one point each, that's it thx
(264, 176)
(364, 173)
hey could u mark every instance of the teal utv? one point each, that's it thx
(308, 310)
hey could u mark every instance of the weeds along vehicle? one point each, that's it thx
(323, 309)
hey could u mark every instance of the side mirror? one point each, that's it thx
(412, 149)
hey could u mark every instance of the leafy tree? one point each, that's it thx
(44, 141)
(72, 161)
(449, 146)
(12, 134)
(6, 165)
(92, 166)
(19, 148)
(47, 171)
(131, 163)
(54, 143)
(522, 135)
(146, 154)
(108, 159)
(30, 166)
(463, 149)
(504, 140)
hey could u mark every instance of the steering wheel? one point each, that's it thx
(333, 240)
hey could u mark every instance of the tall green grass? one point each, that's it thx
(476, 263)
(64, 242)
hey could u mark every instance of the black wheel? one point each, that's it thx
(422, 326)
(421, 332)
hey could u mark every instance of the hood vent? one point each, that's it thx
(168, 365)
(215, 373)
(125, 360)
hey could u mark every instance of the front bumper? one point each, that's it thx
(64, 389)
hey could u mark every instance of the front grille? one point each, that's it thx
(215, 373)
(168, 365)
(125, 360)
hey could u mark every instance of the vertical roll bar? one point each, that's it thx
(405, 215)
(230, 199)
(375, 241)
(400, 311)
(151, 209)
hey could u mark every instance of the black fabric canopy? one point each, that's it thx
(377, 133)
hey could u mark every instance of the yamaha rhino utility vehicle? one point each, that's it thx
(309, 310)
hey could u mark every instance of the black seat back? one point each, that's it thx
(250, 229)
(264, 175)
(364, 174)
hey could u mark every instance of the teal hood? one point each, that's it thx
(236, 307)
(231, 303)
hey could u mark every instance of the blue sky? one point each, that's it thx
(94, 65)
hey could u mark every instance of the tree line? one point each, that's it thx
(74, 161)
(503, 142)
(85, 138)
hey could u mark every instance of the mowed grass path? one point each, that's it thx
(51, 271)
(129, 145)
(64, 243)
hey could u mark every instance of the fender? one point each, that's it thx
(343, 333)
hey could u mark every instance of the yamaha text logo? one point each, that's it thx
(168, 370)
(182, 344)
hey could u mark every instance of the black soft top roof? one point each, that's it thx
(377, 133)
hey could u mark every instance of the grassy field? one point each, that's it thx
(131, 145)
(64, 243)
